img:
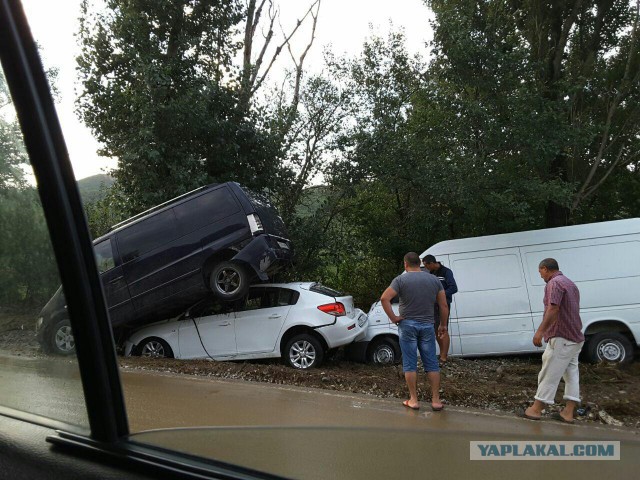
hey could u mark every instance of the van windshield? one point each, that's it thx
(269, 216)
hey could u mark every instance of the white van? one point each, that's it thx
(498, 306)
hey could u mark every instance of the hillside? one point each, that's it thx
(95, 187)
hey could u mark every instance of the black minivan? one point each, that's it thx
(216, 239)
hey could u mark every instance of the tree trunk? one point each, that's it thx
(556, 215)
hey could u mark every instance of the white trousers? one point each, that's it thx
(559, 360)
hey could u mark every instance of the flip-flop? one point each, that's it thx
(406, 404)
(437, 409)
(560, 418)
(521, 413)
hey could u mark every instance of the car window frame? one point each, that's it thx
(66, 223)
(73, 249)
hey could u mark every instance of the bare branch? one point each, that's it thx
(273, 13)
(595, 187)
(624, 85)
(286, 42)
(564, 37)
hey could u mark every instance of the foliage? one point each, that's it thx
(12, 154)
(159, 95)
(538, 100)
(526, 116)
(28, 272)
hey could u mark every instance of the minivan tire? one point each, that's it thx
(384, 351)
(61, 341)
(611, 347)
(154, 347)
(229, 281)
(303, 351)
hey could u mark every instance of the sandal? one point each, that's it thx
(521, 413)
(560, 418)
(437, 409)
(406, 404)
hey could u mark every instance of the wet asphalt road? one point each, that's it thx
(349, 435)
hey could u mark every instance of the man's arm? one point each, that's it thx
(452, 286)
(549, 318)
(385, 299)
(443, 306)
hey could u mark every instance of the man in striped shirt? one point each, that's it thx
(561, 328)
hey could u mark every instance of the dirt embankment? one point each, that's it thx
(487, 383)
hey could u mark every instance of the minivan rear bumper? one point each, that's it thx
(266, 254)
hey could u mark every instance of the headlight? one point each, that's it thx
(39, 323)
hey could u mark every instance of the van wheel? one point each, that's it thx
(229, 281)
(154, 347)
(384, 351)
(61, 341)
(612, 347)
(303, 352)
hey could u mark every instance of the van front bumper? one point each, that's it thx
(266, 254)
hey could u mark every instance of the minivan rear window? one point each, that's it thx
(217, 204)
(269, 217)
(319, 288)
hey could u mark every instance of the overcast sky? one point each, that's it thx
(344, 24)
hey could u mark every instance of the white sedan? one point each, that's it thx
(300, 322)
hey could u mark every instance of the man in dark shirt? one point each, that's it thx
(418, 293)
(561, 328)
(445, 275)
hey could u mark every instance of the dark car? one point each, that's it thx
(217, 238)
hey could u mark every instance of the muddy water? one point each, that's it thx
(307, 433)
(315, 434)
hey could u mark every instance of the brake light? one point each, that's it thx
(336, 309)
(255, 223)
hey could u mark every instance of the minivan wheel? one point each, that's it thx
(303, 352)
(611, 347)
(229, 281)
(154, 348)
(61, 341)
(384, 351)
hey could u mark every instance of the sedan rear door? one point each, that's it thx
(260, 319)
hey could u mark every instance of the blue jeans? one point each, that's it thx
(418, 336)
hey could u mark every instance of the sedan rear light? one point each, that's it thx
(336, 309)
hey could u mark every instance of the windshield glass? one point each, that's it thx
(492, 144)
(39, 372)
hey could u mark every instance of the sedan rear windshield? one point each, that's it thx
(318, 288)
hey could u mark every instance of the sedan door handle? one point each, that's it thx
(225, 324)
(275, 316)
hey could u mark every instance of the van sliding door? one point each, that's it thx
(492, 304)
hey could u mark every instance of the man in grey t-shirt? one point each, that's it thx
(418, 292)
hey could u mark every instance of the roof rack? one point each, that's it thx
(159, 207)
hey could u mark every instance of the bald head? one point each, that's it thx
(412, 259)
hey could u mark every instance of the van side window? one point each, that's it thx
(104, 256)
(146, 235)
(217, 204)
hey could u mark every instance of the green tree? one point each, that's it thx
(12, 154)
(159, 94)
(542, 91)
